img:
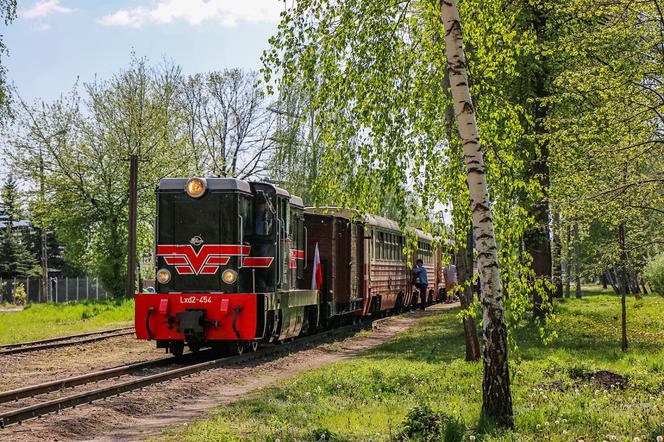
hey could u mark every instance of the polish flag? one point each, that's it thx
(317, 273)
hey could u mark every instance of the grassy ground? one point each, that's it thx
(41, 321)
(554, 396)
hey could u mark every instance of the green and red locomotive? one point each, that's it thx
(240, 263)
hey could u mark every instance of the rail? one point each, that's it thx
(64, 341)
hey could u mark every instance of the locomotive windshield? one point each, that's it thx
(212, 218)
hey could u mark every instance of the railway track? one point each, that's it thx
(64, 341)
(142, 378)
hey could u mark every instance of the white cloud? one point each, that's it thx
(227, 13)
(45, 7)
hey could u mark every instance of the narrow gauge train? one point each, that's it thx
(237, 266)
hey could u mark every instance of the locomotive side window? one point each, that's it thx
(246, 211)
(264, 218)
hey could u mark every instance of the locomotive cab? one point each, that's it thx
(209, 230)
(228, 263)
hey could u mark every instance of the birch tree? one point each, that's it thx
(379, 99)
(496, 397)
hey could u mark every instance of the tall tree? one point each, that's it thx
(86, 143)
(533, 89)
(298, 150)
(496, 397)
(7, 14)
(229, 126)
(16, 259)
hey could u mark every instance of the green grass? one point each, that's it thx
(41, 321)
(368, 398)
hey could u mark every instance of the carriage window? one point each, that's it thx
(380, 245)
(389, 246)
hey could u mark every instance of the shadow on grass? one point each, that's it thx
(588, 331)
(438, 340)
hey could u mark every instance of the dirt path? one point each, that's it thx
(142, 414)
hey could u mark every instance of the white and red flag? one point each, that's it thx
(317, 273)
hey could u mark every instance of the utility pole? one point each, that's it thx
(44, 236)
(131, 261)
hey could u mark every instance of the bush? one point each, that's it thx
(654, 274)
(323, 434)
(423, 424)
(579, 371)
(20, 297)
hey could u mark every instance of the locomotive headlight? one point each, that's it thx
(163, 276)
(229, 276)
(196, 187)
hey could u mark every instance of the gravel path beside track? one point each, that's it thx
(64, 341)
(141, 414)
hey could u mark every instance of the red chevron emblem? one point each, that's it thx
(206, 262)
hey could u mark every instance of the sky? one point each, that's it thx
(54, 42)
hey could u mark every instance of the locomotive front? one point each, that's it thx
(206, 271)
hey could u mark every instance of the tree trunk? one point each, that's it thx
(624, 286)
(577, 262)
(464, 257)
(610, 277)
(464, 261)
(602, 279)
(496, 395)
(537, 240)
(557, 256)
(568, 263)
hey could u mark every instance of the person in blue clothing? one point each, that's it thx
(421, 281)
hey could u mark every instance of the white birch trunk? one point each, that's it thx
(496, 398)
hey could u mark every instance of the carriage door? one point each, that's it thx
(357, 261)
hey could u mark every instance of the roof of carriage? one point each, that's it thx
(372, 220)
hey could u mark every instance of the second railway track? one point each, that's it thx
(44, 405)
(65, 341)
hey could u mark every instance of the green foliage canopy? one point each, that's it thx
(375, 74)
